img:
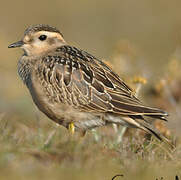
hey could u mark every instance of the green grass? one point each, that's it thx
(25, 153)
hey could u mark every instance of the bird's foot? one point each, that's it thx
(71, 128)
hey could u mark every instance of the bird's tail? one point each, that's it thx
(151, 130)
(148, 128)
(156, 114)
(142, 124)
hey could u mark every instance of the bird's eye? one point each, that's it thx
(42, 37)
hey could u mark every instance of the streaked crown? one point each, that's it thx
(41, 27)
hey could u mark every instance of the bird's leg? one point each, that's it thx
(71, 128)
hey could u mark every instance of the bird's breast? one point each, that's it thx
(44, 100)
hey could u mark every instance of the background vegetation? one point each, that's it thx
(138, 39)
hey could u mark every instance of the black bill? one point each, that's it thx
(16, 44)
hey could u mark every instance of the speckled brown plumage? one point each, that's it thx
(64, 77)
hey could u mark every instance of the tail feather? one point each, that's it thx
(151, 130)
(153, 112)
(140, 123)
(161, 117)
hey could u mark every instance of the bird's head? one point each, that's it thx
(40, 39)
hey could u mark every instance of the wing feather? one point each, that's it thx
(96, 88)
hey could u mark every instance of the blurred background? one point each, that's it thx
(138, 39)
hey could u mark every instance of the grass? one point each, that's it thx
(25, 153)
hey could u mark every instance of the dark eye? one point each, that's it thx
(42, 37)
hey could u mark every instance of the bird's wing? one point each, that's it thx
(90, 85)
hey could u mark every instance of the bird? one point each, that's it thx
(75, 89)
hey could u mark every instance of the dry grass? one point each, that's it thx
(25, 155)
